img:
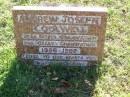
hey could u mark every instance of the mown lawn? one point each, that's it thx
(109, 79)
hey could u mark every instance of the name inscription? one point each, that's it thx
(60, 19)
(73, 29)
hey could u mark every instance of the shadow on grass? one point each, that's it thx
(30, 81)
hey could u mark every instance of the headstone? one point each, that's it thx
(72, 36)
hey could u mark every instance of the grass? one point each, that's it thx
(109, 79)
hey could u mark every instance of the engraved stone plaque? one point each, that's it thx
(72, 36)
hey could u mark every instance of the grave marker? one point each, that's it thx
(72, 36)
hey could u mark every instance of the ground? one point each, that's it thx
(109, 79)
